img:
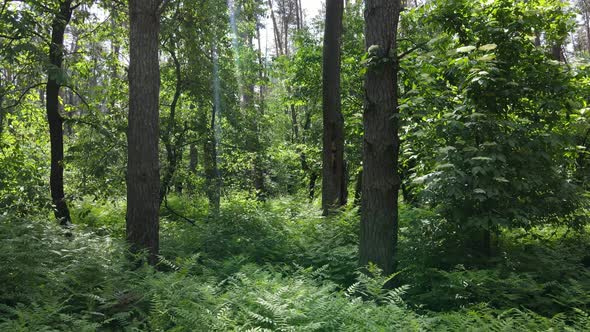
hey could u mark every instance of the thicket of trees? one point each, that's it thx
(439, 144)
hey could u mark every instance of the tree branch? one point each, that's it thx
(20, 98)
(408, 52)
(190, 221)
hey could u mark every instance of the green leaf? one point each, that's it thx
(465, 49)
(488, 47)
(487, 57)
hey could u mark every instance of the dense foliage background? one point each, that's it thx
(494, 163)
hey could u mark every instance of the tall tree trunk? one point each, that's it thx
(297, 16)
(192, 165)
(1, 108)
(260, 150)
(212, 174)
(301, 17)
(294, 121)
(380, 184)
(557, 53)
(56, 180)
(286, 18)
(277, 32)
(171, 145)
(358, 189)
(143, 169)
(333, 170)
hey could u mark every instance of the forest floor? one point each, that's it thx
(281, 266)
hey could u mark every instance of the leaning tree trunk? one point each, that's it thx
(56, 55)
(143, 169)
(333, 170)
(380, 184)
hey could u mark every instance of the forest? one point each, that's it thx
(294, 165)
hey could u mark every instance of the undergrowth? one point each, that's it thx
(276, 266)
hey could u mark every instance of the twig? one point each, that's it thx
(20, 98)
(406, 53)
(190, 221)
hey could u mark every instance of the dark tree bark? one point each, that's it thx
(143, 169)
(358, 189)
(557, 53)
(192, 165)
(333, 170)
(56, 54)
(380, 184)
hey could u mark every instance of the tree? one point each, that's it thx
(54, 81)
(334, 193)
(489, 122)
(143, 178)
(212, 173)
(380, 183)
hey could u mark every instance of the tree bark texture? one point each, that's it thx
(380, 183)
(333, 170)
(56, 54)
(143, 169)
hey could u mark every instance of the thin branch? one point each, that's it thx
(190, 221)
(162, 6)
(408, 52)
(82, 99)
(11, 37)
(20, 98)
(93, 31)
(3, 6)
(96, 126)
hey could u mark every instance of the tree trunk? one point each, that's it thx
(380, 185)
(56, 180)
(333, 170)
(277, 32)
(358, 189)
(212, 174)
(557, 53)
(301, 17)
(259, 171)
(212, 177)
(286, 19)
(192, 165)
(297, 16)
(172, 146)
(313, 177)
(143, 169)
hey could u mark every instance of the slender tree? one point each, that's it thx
(172, 145)
(54, 78)
(380, 183)
(212, 173)
(333, 170)
(143, 169)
